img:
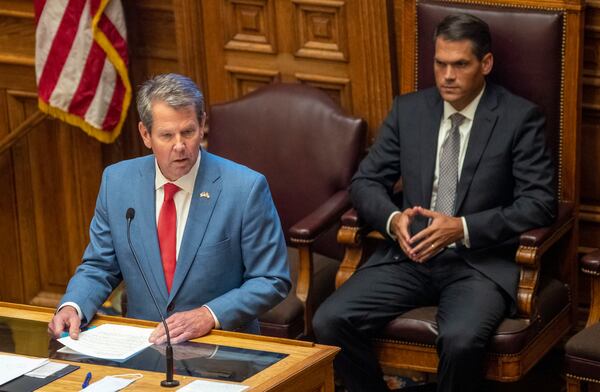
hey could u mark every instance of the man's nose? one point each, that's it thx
(179, 143)
(450, 74)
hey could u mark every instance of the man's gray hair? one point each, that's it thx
(175, 90)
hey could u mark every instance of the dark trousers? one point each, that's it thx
(470, 307)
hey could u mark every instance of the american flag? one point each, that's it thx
(81, 64)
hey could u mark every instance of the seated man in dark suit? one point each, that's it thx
(476, 173)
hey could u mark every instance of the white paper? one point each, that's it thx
(47, 370)
(109, 384)
(110, 341)
(212, 386)
(14, 366)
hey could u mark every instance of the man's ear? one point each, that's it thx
(145, 135)
(487, 63)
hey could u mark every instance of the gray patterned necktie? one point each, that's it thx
(448, 175)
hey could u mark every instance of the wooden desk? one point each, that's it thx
(307, 367)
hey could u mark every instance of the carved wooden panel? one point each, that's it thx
(244, 80)
(341, 47)
(337, 88)
(321, 29)
(250, 25)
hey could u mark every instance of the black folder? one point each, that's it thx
(27, 384)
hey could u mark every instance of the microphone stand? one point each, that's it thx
(169, 382)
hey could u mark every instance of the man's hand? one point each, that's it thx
(184, 326)
(399, 226)
(65, 319)
(443, 231)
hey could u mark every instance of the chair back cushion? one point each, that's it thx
(299, 138)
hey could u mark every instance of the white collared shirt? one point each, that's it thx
(465, 132)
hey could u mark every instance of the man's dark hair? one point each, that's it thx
(458, 27)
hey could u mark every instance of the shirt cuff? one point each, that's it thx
(466, 242)
(217, 325)
(389, 222)
(73, 304)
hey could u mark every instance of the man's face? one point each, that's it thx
(175, 138)
(459, 74)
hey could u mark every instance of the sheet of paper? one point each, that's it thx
(212, 386)
(110, 341)
(14, 366)
(109, 384)
(47, 370)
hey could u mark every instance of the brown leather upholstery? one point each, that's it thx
(582, 351)
(590, 263)
(512, 337)
(582, 356)
(308, 149)
(529, 42)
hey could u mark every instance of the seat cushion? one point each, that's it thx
(418, 326)
(582, 353)
(287, 318)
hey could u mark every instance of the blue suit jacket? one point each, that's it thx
(232, 256)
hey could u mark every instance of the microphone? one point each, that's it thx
(168, 382)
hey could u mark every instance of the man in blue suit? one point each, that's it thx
(205, 229)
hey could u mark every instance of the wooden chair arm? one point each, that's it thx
(302, 235)
(590, 265)
(321, 219)
(353, 236)
(533, 244)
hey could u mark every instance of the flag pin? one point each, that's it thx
(205, 194)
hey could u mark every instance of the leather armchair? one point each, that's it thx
(308, 149)
(546, 255)
(582, 351)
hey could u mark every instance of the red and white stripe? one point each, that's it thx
(81, 64)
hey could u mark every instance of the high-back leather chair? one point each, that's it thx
(537, 51)
(582, 351)
(308, 149)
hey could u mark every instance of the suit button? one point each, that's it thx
(170, 307)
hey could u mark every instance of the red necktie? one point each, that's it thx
(167, 233)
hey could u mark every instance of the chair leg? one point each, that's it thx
(573, 385)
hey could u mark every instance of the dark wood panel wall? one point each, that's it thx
(230, 47)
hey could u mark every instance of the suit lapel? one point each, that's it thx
(146, 215)
(207, 189)
(428, 134)
(483, 125)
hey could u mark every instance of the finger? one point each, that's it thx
(422, 235)
(74, 324)
(55, 328)
(430, 252)
(426, 212)
(156, 334)
(184, 337)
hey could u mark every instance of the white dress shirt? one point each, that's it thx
(465, 132)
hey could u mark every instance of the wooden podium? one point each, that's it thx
(306, 366)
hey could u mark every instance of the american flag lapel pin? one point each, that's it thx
(205, 195)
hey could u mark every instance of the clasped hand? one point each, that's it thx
(442, 231)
